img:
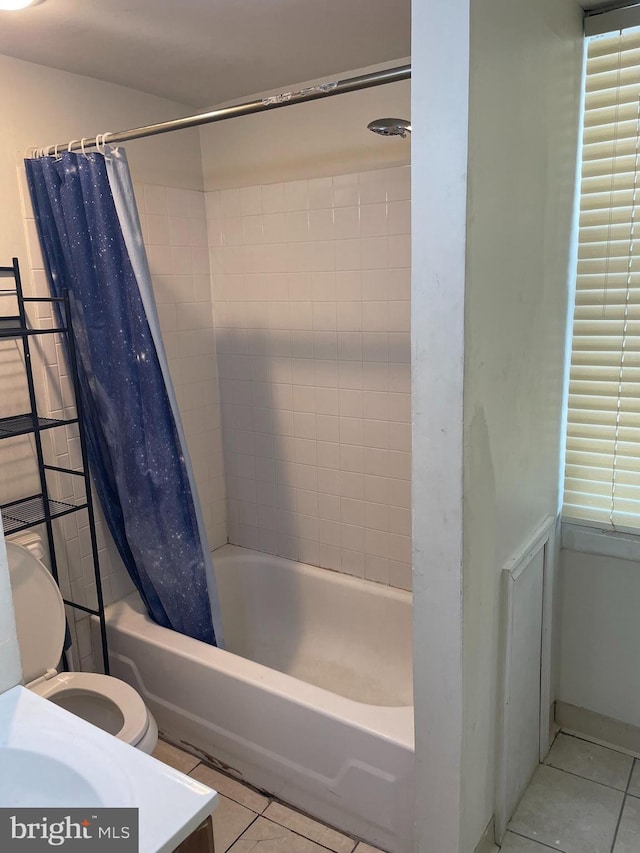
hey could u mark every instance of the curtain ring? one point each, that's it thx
(101, 142)
(69, 146)
(82, 141)
(55, 153)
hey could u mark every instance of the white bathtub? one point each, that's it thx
(311, 700)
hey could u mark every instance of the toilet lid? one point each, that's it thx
(39, 612)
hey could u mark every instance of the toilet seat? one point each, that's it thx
(63, 687)
(106, 702)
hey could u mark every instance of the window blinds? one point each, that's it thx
(602, 476)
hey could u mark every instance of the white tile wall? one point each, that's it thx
(175, 232)
(174, 227)
(311, 292)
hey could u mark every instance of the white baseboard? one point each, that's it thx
(605, 730)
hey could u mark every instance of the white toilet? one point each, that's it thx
(102, 700)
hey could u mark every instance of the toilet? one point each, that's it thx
(106, 702)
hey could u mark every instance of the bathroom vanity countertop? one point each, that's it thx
(53, 758)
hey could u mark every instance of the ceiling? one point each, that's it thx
(204, 52)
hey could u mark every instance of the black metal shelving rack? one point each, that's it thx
(41, 509)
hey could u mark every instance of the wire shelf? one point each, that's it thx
(19, 515)
(23, 424)
(10, 326)
(14, 330)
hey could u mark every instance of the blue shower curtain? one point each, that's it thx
(92, 246)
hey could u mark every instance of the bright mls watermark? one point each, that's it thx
(27, 830)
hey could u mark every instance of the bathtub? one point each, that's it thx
(311, 700)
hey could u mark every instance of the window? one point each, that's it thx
(602, 476)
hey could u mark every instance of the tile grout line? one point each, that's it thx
(624, 792)
(622, 750)
(585, 778)
(233, 799)
(615, 834)
(270, 801)
(633, 764)
(536, 841)
(288, 829)
(555, 738)
(622, 806)
(585, 739)
(319, 844)
(343, 833)
(235, 840)
(262, 814)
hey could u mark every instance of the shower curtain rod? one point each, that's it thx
(284, 99)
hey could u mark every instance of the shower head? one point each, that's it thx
(390, 127)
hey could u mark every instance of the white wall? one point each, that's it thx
(440, 91)
(526, 62)
(42, 106)
(10, 670)
(600, 634)
(317, 139)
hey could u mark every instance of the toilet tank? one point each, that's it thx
(31, 540)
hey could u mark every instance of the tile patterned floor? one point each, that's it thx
(246, 820)
(585, 798)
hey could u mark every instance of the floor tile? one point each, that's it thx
(231, 788)
(590, 761)
(303, 825)
(628, 840)
(634, 785)
(264, 836)
(174, 757)
(230, 820)
(517, 844)
(568, 813)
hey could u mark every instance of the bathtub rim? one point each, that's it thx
(393, 723)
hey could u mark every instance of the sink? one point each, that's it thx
(36, 779)
(52, 758)
(40, 768)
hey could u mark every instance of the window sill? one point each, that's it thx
(582, 537)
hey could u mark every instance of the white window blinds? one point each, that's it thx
(602, 477)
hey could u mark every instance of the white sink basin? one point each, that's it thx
(49, 757)
(40, 769)
(38, 779)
